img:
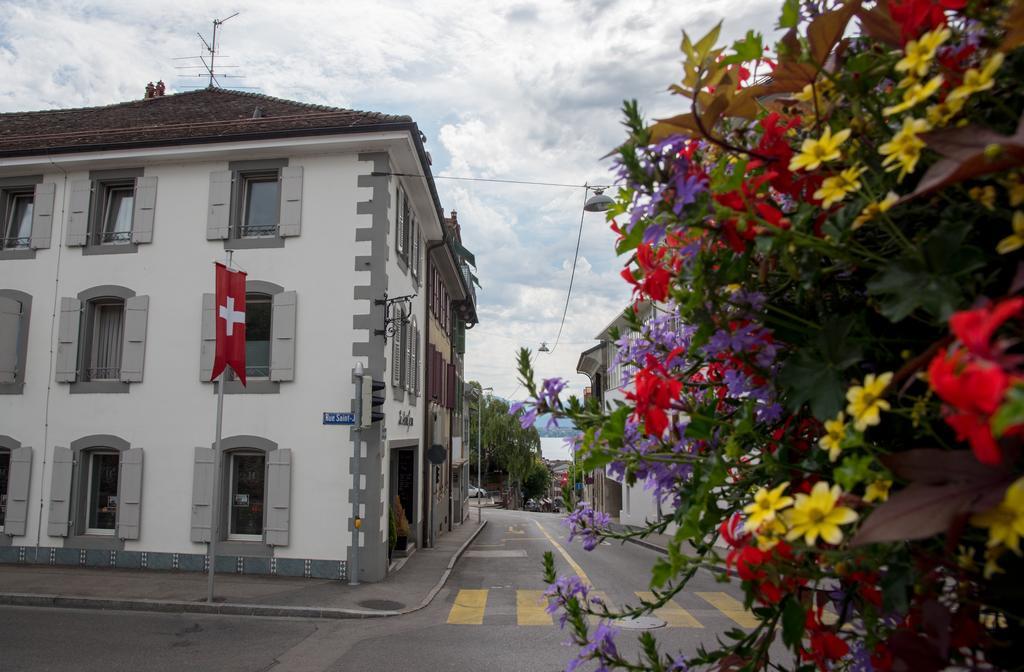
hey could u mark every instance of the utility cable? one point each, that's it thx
(489, 179)
(572, 276)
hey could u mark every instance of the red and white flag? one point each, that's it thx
(230, 317)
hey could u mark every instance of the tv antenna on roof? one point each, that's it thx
(208, 59)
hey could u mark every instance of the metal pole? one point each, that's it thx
(479, 453)
(214, 509)
(353, 575)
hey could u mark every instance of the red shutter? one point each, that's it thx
(451, 386)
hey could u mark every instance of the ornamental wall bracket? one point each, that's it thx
(397, 311)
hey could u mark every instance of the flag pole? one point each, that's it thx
(214, 508)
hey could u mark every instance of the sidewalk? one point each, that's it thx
(408, 589)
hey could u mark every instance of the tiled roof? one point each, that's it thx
(204, 115)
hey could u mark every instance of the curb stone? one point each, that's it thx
(226, 608)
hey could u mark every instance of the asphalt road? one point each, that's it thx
(486, 618)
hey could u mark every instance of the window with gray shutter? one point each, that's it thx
(144, 210)
(279, 492)
(67, 340)
(60, 492)
(396, 358)
(42, 215)
(16, 517)
(129, 507)
(400, 215)
(291, 201)
(407, 335)
(208, 345)
(133, 353)
(78, 216)
(218, 217)
(202, 494)
(414, 247)
(282, 336)
(414, 385)
(10, 330)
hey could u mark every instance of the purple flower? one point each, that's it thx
(550, 389)
(527, 413)
(587, 524)
(600, 646)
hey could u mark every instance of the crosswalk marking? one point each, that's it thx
(469, 607)
(531, 608)
(673, 615)
(731, 607)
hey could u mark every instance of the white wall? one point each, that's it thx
(171, 411)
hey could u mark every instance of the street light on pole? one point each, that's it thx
(480, 450)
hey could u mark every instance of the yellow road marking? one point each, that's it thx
(731, 607)
(673, 615)
(572, 563)
(469, 607)
(515, 529)
(530, 608)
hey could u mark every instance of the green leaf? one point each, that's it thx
(661, 573)
(1011, 413)
(707, 43)
(790, 14)
(853, 470)
(808, 380)
(793, 619)
(750, 48)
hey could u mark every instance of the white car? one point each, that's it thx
(477, 492)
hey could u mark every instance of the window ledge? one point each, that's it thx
(250, 549)
(100, 387)
(118, 248)
(253, 243)
(254, 387)
(12, 388)
(18, 253)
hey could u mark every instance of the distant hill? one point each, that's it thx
(565, 427)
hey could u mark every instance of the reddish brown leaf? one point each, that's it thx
(826, 30)
(934, 466)
(1014, 24)
(917, 512)
(963, 155)
(878, 23)
(791, 76)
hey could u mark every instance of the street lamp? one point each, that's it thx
(480, 451)
(598, 202)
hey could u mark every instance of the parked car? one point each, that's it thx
(532, 505)
(477, 492)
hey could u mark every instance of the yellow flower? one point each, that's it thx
(822, 88)
(1005, 522)
(766, 504)
(915, 95)
(875, 209)
(1014, 190)
(920, 52)
(835, 432)
(814, 152)
(992, 562)
(817, 515)
(976, 80)
(878, 491)
(866, 402)
(1016, 240)
(770, 534)
(904, 149)
(942, 113)
(834, 189)
(985, 195)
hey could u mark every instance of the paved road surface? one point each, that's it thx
(489, 617)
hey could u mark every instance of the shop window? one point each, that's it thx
(102, 492)
(248, 482)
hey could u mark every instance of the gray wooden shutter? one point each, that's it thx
(396, 358)
(129, 503)
(408, 337)
(60, 492)
(202, 494)
(42, 215)
(17, 491)
(133, 350)
(10, 328)
(67, 340)
(414, 384)
(145, 208)
(218, 218)
(414, 260)
(208, 345)
(279, 492)
(400, 211)
(78, 217)
(282, 332)
(291, 201)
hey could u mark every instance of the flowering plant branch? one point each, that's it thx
(823, 371)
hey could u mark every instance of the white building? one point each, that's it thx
(112, 218)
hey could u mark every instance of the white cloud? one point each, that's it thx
(509, 90)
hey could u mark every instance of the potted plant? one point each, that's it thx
(401, 526)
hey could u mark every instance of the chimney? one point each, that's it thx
(160, 88)
(150, 89)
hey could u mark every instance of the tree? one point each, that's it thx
(508, 446)
(537, 481)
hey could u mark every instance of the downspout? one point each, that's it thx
(53, 354)
(428, 484)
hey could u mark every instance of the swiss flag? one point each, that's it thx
(230, 318)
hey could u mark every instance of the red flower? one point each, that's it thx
(916, 16)
(654, 278)
(975, 327)
(655, 391)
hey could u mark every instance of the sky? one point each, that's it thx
(506, 90)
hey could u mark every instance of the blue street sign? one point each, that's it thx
(339, 418)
